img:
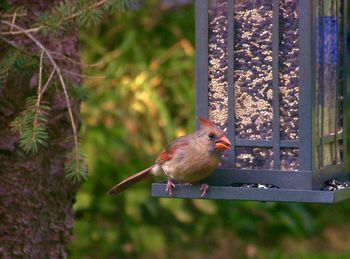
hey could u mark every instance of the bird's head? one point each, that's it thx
(213, 136)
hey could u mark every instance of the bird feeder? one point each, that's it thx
(272, 74)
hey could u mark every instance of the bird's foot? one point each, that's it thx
(204, 188)
(169, 186)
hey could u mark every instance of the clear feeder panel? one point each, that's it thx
(254, 158)
(289, 81)
(289, 69)
(217, 63)
(217, 66)
(289, 159)
(329, 82)
(253, 69)
(330, 78)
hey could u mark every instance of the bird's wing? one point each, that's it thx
(169, 152)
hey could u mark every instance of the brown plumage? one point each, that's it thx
(187, 159)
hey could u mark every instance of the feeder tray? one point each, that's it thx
(253, 194)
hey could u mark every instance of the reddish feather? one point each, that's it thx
(163, 156)
(130, 181)
(168, 153)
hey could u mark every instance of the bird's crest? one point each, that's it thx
(205, 122)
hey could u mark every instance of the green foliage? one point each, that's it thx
(51, 25)
(85, 12)
(4, 5)
(145, 100)
(113, 6)
(76, 168)
(65, 13)
(15, 61)
(32, 125)
(79, 92)
(90, 17)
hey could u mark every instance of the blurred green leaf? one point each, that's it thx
(4, 5)
(79, 92)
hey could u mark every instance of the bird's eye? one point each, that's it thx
(211, 135)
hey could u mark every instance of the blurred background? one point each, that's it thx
(145, 100)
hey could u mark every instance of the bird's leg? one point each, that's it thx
(169, 185)
(204, 188)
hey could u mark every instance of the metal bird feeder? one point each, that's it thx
(272, 74)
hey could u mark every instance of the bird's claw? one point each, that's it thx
(169, 185)
(204, 188)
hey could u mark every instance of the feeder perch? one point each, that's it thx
(272, 74)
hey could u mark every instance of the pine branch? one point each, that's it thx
(86, 12)
(17, 125)
(76, 167)
(56, 55)
(14, 61)
(48, 81)
(77, 155)
(32, 125)
(81, 75)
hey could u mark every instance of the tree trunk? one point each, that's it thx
(36, 216)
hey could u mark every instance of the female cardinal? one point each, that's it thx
(187, 159)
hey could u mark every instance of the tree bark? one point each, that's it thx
(36, 216)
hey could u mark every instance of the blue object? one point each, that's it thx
(327, 39)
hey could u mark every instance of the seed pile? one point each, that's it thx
(289, 81)
(254, 158)
(289, 69)
(289, 159)
(334, 185)
(256, 185)
(217, 63)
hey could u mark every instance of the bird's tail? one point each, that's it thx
(131, 180)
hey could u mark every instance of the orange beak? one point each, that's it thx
(223, 143)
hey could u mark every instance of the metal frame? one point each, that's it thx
(306, 99)
(253, 194)
(201, 58)
(230, 79)
(275, 86)
(322, 83)
(302, 185)
(345, 98)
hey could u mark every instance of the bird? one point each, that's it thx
(188, 159)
